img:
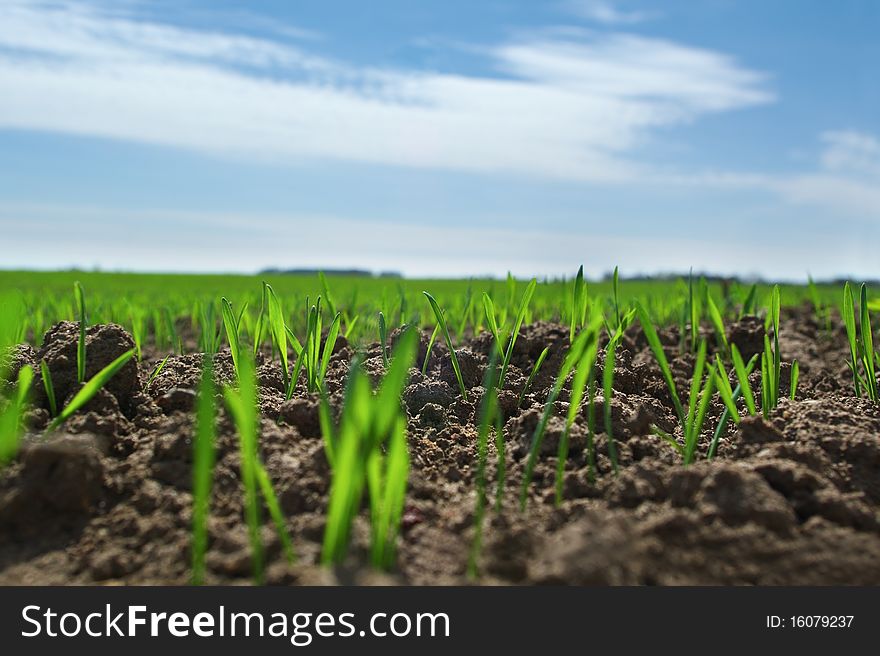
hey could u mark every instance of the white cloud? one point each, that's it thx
(849, 151)
(607, 13)
(564, 107)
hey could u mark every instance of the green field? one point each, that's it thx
(148, 305)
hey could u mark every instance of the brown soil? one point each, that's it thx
(792, 500)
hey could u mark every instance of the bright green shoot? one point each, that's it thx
(582, 373)
(698, 404)
(795, 376)
(718, 324)
(11, 416)
(849, 320)
(748, 306)
(535, 369)
(81, 343)
(158, 370)
(89, 389)
(203, 471)
(230, 323)
(571, 359)
(514, 333)
(868, 346)
(242, 405)
(49, 387)
(507, 352)
(441, 321)
(578, 304)
(861, 343)
(607, 393)
(315, 358)
(430, 348)
(492, 323)
(730, 397)
(660, 356)
(771, 363)
(742, 375)
(279, 333)
(615, 285)
(370, 424)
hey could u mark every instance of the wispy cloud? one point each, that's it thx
(850, 151)
(574, 107)
(607, 13)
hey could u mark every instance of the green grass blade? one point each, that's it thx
(696, 426)
(535, 369)
(867, 345)
(203, 471)
(329, 345)
(718, 324)
(81, 343)
(523, 308)
(230, 323)
(571, 358)
(442, 323)
(849, 320)
(492, 323)
(278, 329)
(157, 370)
(92, 387)
(242, 405)
(726, 392)
(10, 417)
(579, 383)
(743, 377)
(430, 348)
(49, 387)
(749, 303)
(795, 375)
(607, 393)
(660, 356)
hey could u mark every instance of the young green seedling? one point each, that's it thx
(571, 359)
(735, 395)
(607, 393)
(370, 423)
(11, 416)
(203, 471)
(157, 370)
(243, 406)
(660, 356)
(441, 321)
(230, 323)
(698, 404)
(578, 304)
(49, 387)
(535, 369)
(582, 372)
(89, 389)
(867, 343)
(81, 344)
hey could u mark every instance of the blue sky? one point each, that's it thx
(441, 138)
